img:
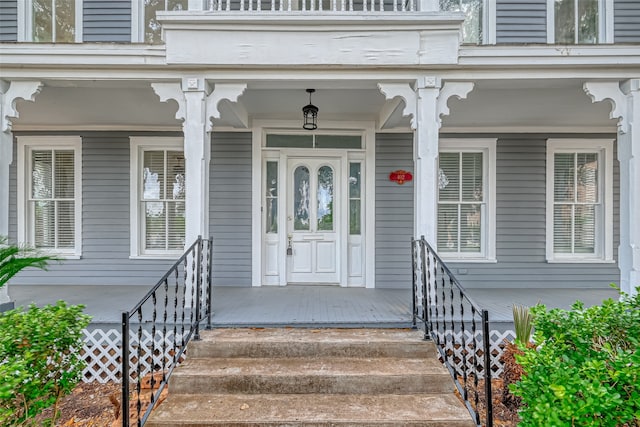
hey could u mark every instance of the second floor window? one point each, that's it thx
(474, 13)
(53, 21)
(573, 21)
(152, 28)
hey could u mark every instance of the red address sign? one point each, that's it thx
(400, 176)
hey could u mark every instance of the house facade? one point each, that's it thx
(501, 130)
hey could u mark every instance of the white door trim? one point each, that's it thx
(367, 156)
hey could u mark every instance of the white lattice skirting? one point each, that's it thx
(102, 350)
(473, 347)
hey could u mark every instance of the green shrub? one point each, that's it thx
(39, 360)
(585, 370)
(14, 259)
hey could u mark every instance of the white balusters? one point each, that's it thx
(357, 6)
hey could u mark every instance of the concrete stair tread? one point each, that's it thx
(289, 335)
(311, 410)
(333, 366)
(288, 342)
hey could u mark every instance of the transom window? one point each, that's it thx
(465, 200)
(579, 199)
(50, 202)
(314, 141)
(159, 188)
(574, 21)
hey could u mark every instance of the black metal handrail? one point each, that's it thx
(168, 327)
(458, 326)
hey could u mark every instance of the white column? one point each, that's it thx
(426, 126)
(197, 153)
(625, 101)
(10, 92)
(629, 157)
(427, 103)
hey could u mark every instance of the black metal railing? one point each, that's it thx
(156, 331)
(458, 327)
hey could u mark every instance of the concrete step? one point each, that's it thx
(311, 410)
(332, 375)
(290, 342)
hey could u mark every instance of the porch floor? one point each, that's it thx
(302, 305)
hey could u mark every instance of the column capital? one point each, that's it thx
(10, 93)
(428, 82)
(412, 96)
(630, 86)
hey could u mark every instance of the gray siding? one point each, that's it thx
(107, 21)
(230, 208)
(520, 21)
(8, 20)
(520, 227)
(105, 223)
(394, 211)
(627, 21)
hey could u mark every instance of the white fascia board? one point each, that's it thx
(83, 54)
(544, 55)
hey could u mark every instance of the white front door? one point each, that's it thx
(313, 220)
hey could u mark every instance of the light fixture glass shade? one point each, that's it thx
(310, 114)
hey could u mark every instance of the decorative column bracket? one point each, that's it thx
(11, 92)
(172, 91)
(404, 91)
(610, 91)
(229, 92)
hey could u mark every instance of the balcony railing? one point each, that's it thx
(312, 5)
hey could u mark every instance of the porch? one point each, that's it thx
(304, 306)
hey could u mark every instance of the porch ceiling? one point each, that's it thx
(546, 105)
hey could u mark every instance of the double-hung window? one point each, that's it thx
(578, 21)
(579, 200)
(50, 21)
(466, 202)
(50, 194)
(158, 197)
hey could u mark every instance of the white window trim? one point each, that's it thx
(25, 21)
(604, 228)
(490, 21)
(488, 147)
(137, 145)
(137, 26)
(26, 144)
(605, 22)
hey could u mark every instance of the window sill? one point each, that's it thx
(63, 256)
(580, 261)
(469, 260)
(169, 257)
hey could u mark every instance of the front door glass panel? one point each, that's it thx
(301, 198)
(325, 198)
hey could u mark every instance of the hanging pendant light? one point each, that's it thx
(310, 114)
